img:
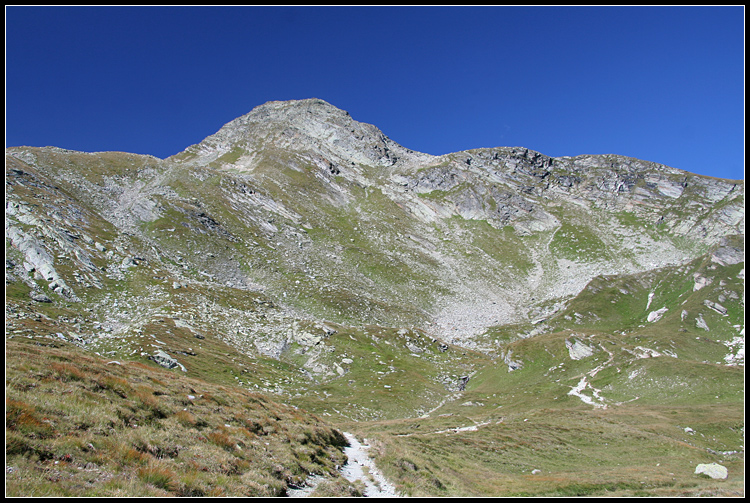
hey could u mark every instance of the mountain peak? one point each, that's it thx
(307, 125)
(308, 108)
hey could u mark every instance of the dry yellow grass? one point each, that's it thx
(78, 426)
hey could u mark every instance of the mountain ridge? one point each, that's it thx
(299, 253)
(504, 186)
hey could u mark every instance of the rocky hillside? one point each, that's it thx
(331, 218)
(302, 253)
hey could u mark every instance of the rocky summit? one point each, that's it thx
(304, 255)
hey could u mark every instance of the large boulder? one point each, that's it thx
(39, 296)
(713, 470)
(578, 350)
(166, 361)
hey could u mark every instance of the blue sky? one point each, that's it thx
(664, 84)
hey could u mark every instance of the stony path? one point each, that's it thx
(310, 484)
(375, 483)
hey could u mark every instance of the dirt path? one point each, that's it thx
(358, 467)
(375, 483)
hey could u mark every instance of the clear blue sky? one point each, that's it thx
(664, 84)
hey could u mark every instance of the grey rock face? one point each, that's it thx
(37, 259)
(728, 255)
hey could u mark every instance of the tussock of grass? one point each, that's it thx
(158, 476)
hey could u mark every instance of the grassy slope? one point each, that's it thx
(80, 425)
(637, 445)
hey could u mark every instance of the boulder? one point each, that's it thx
(655, 316)
(413, 348)
(508, 359)
(578, 350)
(328, 330)
(701, 323)
(128, 262)
(166, 361)
(700, 281)
(716, 307)
(39, 297)
(307, 339)
(462, 382)
(713, 470)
